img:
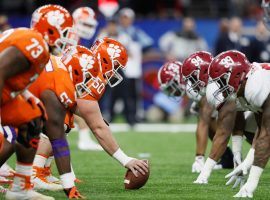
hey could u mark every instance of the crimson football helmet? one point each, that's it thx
(226, 72)
(56, 26)
(195, 73)
(112, 57)
(170, 80)
(85, 22)
(82, 67)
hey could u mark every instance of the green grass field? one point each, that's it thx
(170, 178)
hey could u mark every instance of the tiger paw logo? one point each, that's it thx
(56, 18)
(114, 51)
(86, 62)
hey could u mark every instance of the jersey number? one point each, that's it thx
(98, 85)
(35, 48)
(227, 62)
(197, 61)
(65, 99)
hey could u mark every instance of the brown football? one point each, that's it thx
(132, 182)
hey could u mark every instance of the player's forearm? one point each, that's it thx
(219, 144)
(201, 138)
(262, 149)
(105, 139)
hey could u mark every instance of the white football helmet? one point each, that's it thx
(85, 22)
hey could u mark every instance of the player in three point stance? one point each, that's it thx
(23, 54)
(234, 81)
(191, 78)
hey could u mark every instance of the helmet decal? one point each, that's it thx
(114, 51)
(56, 18)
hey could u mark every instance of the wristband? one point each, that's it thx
(250, 157)
(237, 142)
(121, 157)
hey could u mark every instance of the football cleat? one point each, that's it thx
(4, 180)
(41, 183)
(6, 167)
(22, 189)
(50, 178)
(26, 195)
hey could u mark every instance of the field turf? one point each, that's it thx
(171, 157)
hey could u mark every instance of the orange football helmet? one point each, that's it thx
(85, 22)
(56, 25)
(83, 68)
(112, 56)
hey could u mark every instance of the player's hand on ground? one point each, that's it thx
(198, 164)
(201, 180)
(240, 169)
(244, 166)
(136, 166)
(245, 192)
(203, 177)
(237, 179)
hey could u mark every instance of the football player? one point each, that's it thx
(195, 74)
(233, 80)
(26, 51)
(88, 92)
(245, 125)
(193, 77)
(85, 24)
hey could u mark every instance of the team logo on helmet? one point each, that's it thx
(86, 62)
(56, 18)
(114, 51)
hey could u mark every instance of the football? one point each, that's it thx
(132, 182)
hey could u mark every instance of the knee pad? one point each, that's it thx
(29, 134)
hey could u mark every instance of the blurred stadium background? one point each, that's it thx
(166, 31)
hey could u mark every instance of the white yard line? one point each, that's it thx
(154, 128)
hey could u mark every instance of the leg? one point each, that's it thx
(85, 141)
(9, 144)
(25, 148)
(41, 173)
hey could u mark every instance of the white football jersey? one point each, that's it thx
(257, 88)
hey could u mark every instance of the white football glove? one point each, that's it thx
(206, 171)
(238, 179)
(198, 164)
(250, 186)
(244, 166)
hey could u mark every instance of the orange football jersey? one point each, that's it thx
(18, 111)
(97, 90)
(34, 48)
(56, 78)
